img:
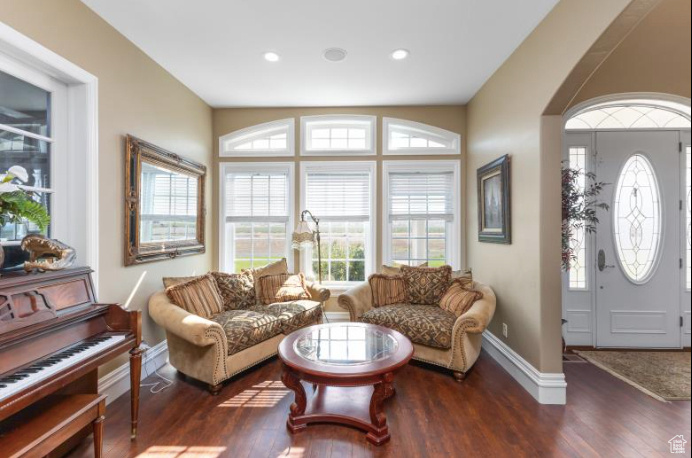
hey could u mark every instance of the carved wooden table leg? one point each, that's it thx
(291, 380)
(383, 390)
(135, 380)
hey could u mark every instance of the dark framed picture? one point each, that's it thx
(494, 215)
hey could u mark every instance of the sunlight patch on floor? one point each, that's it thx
(181, 451)
(292, 452)
(265, 394)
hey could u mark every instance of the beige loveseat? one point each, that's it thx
(215, 349)
(439, 337)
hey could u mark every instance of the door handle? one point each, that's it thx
(602, 261)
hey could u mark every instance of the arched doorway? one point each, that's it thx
(629, 285)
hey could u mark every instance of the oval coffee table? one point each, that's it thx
(351, 367)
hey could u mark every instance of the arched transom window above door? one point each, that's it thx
(631, 114)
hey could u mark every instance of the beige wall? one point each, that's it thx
(504, 117)
(136, 96)
(654, 57)
(228, 120)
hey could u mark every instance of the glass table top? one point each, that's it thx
(345, 345)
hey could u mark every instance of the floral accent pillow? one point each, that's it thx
(237, 290)
(426, 285)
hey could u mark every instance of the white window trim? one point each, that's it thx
(371, 136)
(454, 166)
(81, 228)
(426, 129)
(288, 124)
(371, 244)
(226, 258)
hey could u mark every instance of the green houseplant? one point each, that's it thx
(17, 203)
(579, 208)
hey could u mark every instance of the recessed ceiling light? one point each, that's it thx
(400, 54)
(271, 56)
(335, 54)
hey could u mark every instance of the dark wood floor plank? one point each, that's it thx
(430, 416)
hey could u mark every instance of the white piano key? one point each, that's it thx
(69, 361)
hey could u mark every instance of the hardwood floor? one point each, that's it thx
(431, 415)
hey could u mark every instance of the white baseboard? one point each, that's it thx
(334, 317)
(547, 388)
(117, 382)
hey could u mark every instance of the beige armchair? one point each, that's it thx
(200, 347)
(458, 353)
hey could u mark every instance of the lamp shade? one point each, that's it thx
(303, 236)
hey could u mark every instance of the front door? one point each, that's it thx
(639, 241)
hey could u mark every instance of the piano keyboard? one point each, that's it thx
(44, 368)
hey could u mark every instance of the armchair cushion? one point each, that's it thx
(426, 285)
(198, 296)
(237, 290)
(245, 328)
(293, 315)
(423, 324)
(387, 289)
(459, 298)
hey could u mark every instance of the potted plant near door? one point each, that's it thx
(18, 205)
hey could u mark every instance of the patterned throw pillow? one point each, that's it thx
(171, 281)
(464, 276)
(282, 288)
(395, 269)
(387, 289)
(198, 296)
(237, 290)
(275, 268)
(458, 298)
(426, 285)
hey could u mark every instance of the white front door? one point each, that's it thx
(639, 243)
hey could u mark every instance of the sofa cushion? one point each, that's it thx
(198, 296)
(293, 315)
(245, 328)
(395, 269)
(275, 268)
(282, 288)
(387, 289)
(464, 276)
(426, 285)
(172, 281)
(422, 324)
(237, 290)
(459, 297)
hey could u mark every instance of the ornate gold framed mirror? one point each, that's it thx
(164, 204)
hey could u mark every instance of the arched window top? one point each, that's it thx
(409, 137)
(632, 114)
(337, 135)
(275, 138)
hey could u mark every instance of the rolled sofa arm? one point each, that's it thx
(192, 328)
(356, 300)
(318, 292)
(477, 318)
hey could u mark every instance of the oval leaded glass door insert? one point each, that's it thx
(637, 219)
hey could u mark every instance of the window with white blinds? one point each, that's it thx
(422, 209)
(257, 207)
(169, 205)
(341, 196)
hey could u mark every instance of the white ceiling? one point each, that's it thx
(215, 47)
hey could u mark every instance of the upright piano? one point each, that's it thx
(54, 335)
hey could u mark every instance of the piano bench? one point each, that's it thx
(43, 427)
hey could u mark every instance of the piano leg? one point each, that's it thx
(97, 426)
(135, 380)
